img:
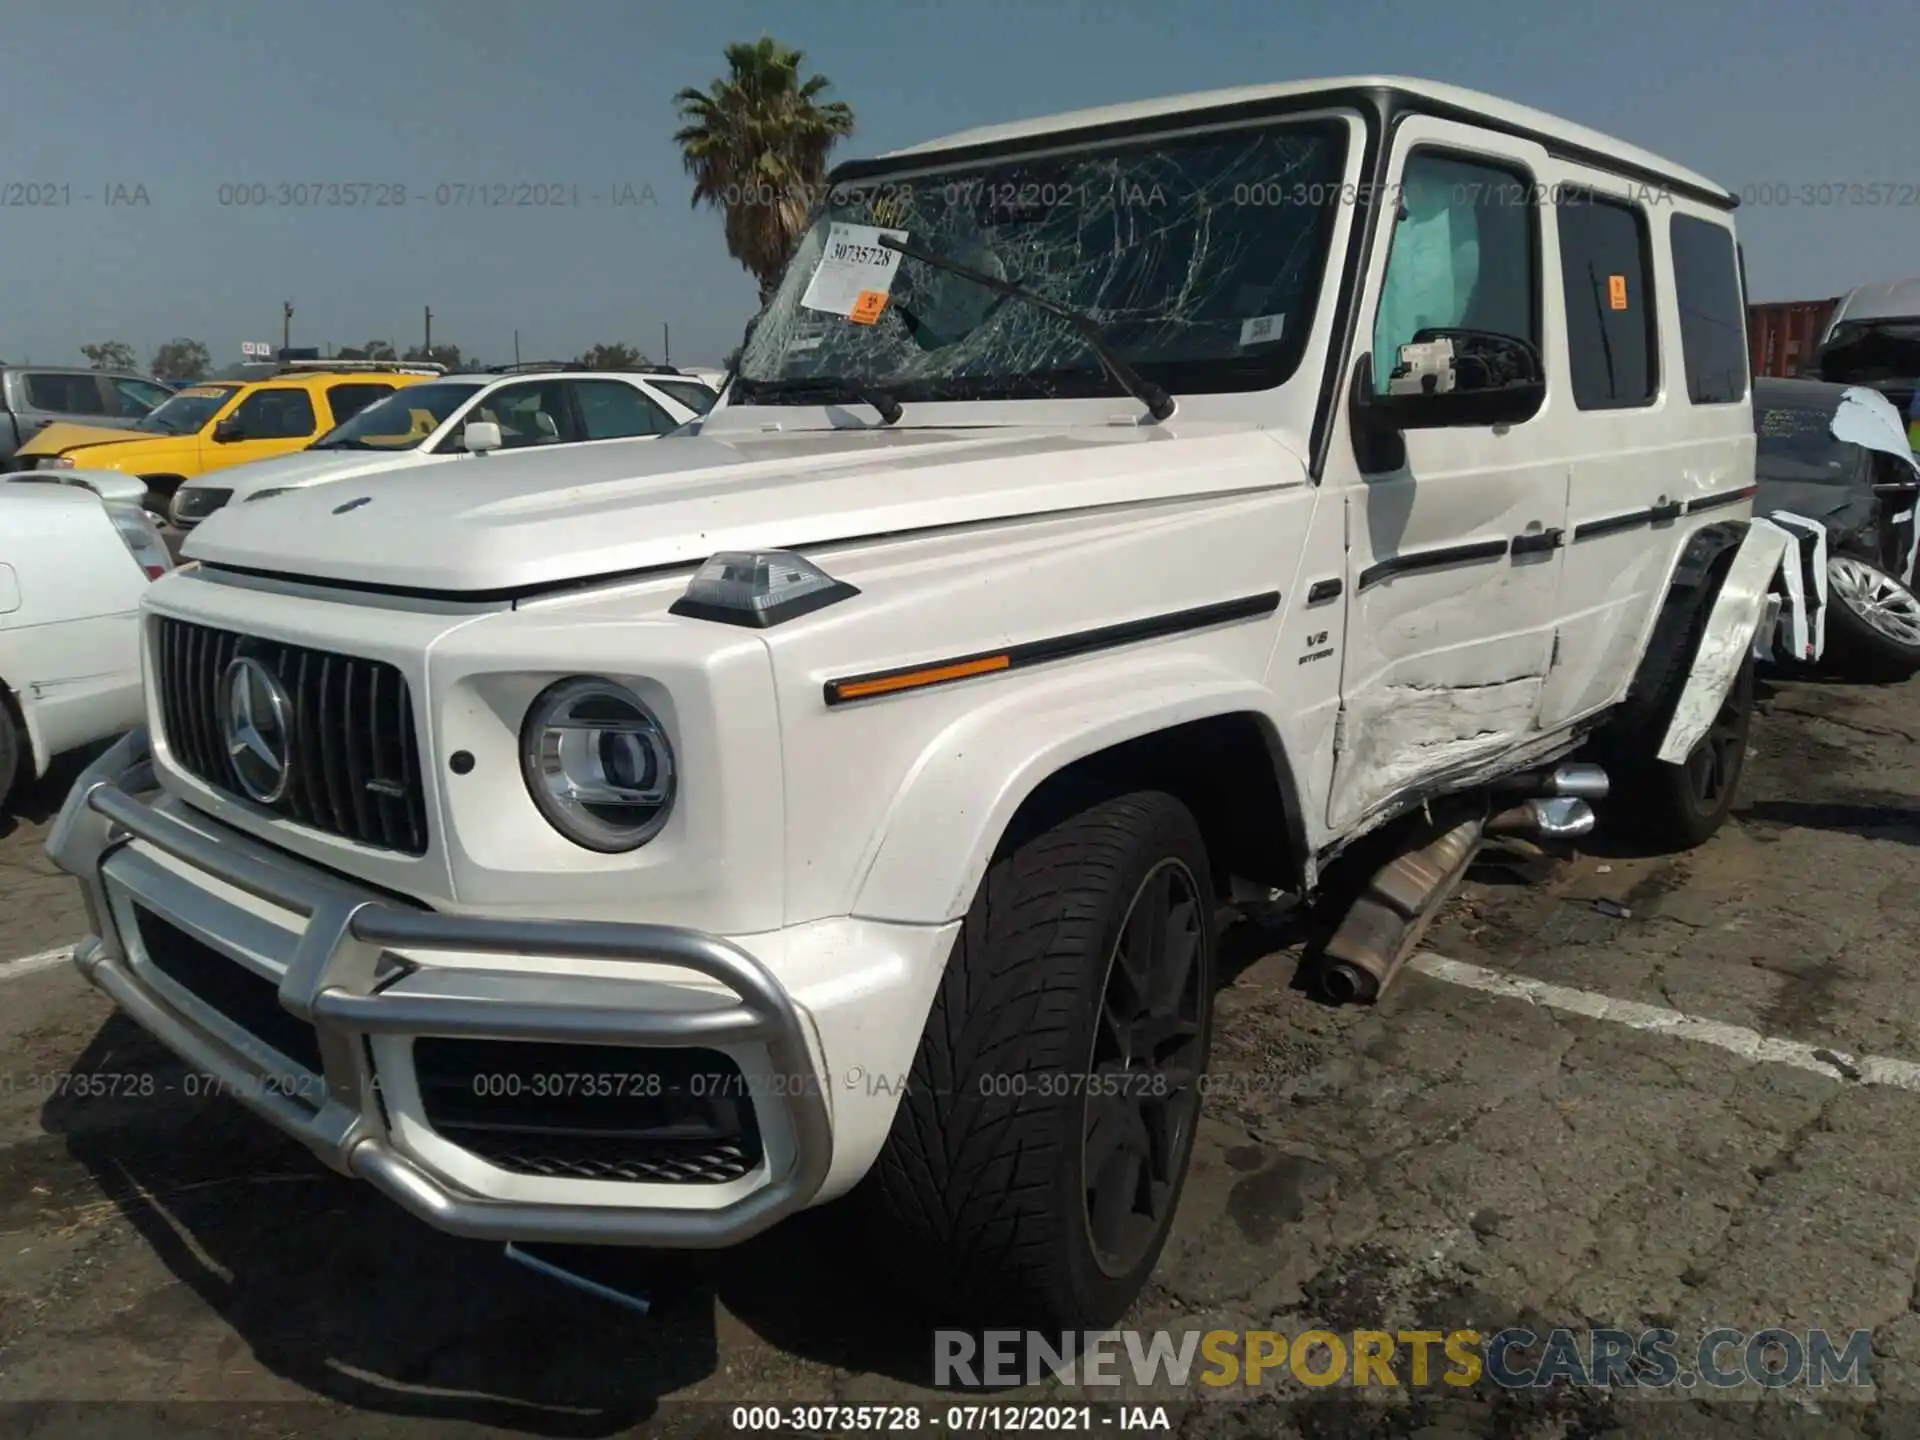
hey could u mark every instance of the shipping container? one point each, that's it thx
(1785, 335)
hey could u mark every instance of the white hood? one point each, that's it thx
(305, 467)
(523, 519)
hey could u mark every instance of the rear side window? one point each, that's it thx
(1612, 345)
(65, 394)
(1713, 337)
(690, 393)
(612, 410)
(347, 401)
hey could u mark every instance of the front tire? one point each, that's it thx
(1037, 1158)
(1873, 621)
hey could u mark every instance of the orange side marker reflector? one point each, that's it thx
(932, 675)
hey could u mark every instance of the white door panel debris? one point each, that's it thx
(1729, 633)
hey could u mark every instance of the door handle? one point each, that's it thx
(1535, 542)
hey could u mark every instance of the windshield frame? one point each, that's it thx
(473, 388)
(1351, 137)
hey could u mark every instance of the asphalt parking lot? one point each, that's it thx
(1459, 1156)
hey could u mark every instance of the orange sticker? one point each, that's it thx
(866, 309)
(1617, 291)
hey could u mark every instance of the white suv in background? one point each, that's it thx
(426, 425)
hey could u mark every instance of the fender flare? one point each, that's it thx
(1727, 638)
(19, 707)
(966, 787)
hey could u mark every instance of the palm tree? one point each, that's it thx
(756, 142)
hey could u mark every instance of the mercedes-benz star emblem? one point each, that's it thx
(256, 714)
(353, 504)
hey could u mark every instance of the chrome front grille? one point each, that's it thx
(354, 759)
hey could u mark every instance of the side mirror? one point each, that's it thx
(229, 430)
(480, 436)
(1456, 377)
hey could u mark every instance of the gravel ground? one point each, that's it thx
(1448, 1158)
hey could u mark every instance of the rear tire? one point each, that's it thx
(1873, 622)
(1670, 808)
(1037, 1157)
(10, 752)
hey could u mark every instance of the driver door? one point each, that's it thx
(1453, 534)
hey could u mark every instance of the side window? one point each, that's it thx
(1706, 286)
(614, 410)
(1613, 347)
(1463, 256)
(275, 415)
(134, 398)
(534, 413)
(690, 393)
(65, 394)
(347, 401)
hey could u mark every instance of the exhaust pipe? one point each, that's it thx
(1387, 921)
(1557, 817)
(1583, 781)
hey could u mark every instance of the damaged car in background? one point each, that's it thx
(1111, 516)
(1835, 470)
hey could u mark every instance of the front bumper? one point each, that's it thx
(352, 971)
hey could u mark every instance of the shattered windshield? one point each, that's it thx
(1199, 258)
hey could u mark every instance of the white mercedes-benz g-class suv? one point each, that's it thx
(1111, 516)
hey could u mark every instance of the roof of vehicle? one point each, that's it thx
(1778, 390)
(1424, 94)
(315, 379)
(17, 490)
(1880, 300)
(508, 375)
(78, 370)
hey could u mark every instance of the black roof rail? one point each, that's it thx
(529, 365)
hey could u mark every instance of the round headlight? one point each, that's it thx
(598, 764)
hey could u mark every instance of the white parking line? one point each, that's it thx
(27, 964)
(1657, 1019)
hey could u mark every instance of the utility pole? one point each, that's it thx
(516, 349)
(429, 332)
(666, 344)
(286, 328)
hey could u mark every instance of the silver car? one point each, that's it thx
(33, 397)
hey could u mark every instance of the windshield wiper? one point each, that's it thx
(1159, 404)
(830, 388)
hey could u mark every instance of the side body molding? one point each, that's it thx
(943, 827)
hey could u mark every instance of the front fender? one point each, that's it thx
(964, 789)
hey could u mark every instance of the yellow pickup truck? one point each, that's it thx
(220, 423)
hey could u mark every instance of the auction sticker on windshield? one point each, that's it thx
(854, 268)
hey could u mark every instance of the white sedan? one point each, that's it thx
(73, 566)
(427, 425)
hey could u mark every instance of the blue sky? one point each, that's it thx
(185, 97)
